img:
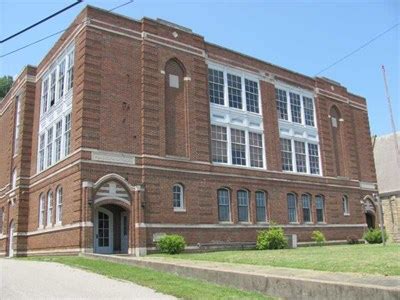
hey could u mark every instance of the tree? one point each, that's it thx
(5, 85)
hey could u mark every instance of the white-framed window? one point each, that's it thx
(281, 104)
(256, 150)
(45, 95)
(59, 205)
(346, 207)
(243, 205)
(17, 123)
(286, 155)
(1, 219)
(238, 146)
(58, 141)
(14, 179)
(49, 208)
(261, 207)
(41, 220)
(301, 157)
(308, 105)
(67, 134)
(235, 91)
(61, 79)
(41, 151)
(53, 80)
(320, 207)
(70, 72)
(49, 147)
(216, 86)
(178, 197)
(306, 201)
(224, 214)
(295, 107)
(252, 102)
(219, 144)
(313, 154)
(292, 207)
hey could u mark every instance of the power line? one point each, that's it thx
(359, 48)
(58, 32)
(41, 21)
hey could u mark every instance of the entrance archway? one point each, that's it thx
(370, 213)
(11, 239)
(370, 219)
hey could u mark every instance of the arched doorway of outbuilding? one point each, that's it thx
(370, 212)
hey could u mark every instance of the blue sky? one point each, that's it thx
(304, 36)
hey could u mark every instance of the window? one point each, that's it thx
(295, 106)
(319, 204)
(178, 199)
(301, 160)
(281, 104)
(49, 208)
(306, 199)
(308, 111)
(53, 88)
(216, 86)
(41, 152)
(45, 93)
(1, 220)
(256, 150)
(67, 135)
(286, 154)
(59, 203)
(41, 210)
(50, 146)
(292, 207)
(314, 158)
(14, 179)
(58, 140)
(261, 207)
(70, 72)
(345, 200)
(235, 91)
(238, 144)
(243, 206)
(224, 214)
(17, 123)
(61, 79)
(219, 147)
(252, 96)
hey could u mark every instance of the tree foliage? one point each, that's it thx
(5, 85)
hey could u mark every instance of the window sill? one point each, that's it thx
(244, 222)
(308, 223)
(263, 223)
(346, 215)
(225, 222)
(219, 164)
(294, 223)
(321, 223)
(181, 210)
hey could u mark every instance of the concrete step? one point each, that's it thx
(279, 282)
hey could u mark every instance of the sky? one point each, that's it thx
(303, 36)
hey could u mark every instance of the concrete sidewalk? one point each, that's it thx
(280, 282)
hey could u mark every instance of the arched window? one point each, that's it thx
(14, 179)
(261, 207)
(320, 207)
(335, 116)
(59, 203)
(292, 207)
(42, 205)
(306, 201)
(346, 209)
(224, 214)
(49, 208)
(178, 197)
(243, 205)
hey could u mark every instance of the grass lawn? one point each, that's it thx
(373, 259)
(166, 283)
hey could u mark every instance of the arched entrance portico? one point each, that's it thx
(11, 239)
(370, 212)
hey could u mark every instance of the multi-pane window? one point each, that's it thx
(261, 207)
(238, 145)
(235, 91)
(308, 111)
(252, 95)
(301, 160)
(59, 203)
(286, 155)
(14, 179)
(53, 87)
(224, 214)
(70, 71)
(177, 194)
(216, 86)
(319, 205)
(219, 144)
(292, 207)
(17, 123)
(41, 220)
(58, 140)
(45, 94)
(243, 206)
(295, 106)
(67, 135)
(49, 208)
(345, 200)
(256, 150)
(306, 199)
(281, 104)
(314, 158)
(61, 79)
(41, 151)
(50, 146)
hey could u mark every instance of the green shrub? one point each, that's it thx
(318, 237)
(374, 236)
(273, 238)
(171, 244)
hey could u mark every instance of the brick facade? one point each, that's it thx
(132, 132)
